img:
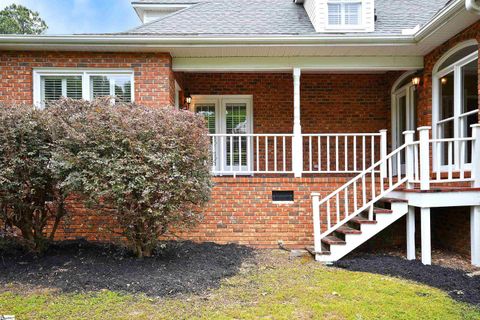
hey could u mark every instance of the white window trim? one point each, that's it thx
(344, 27)
(84, 73)
(436, 78)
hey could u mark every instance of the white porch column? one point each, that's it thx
(475, 235)
(297, 142)
(426, 236)
(411, 233)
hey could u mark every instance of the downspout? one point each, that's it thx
(472, 6)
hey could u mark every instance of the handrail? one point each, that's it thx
(363, 172)
(367, 202)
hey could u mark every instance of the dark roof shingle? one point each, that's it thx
(275, 17)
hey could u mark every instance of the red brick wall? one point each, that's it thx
(153, 75)
(241, 211)
(451, 229)
(330, 103)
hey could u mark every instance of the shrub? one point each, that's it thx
(30, 193)
(149, 167)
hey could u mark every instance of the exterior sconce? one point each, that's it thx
(188, 100)
(416, 81)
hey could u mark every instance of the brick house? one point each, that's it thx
(334, 123)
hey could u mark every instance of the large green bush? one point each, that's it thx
(30, 191)
(149, 166)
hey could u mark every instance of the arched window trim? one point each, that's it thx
(437, 74)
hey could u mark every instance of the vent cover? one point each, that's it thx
(282, 196)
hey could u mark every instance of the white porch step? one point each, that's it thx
(360, 229)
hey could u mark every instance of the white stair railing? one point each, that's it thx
(357, 195)
(411, 164)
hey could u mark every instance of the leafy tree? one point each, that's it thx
(150, 167)
(30, 194)
(17, 19)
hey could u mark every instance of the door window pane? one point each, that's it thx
(469, 106)
(208, 113)
(470, 86)
(236, 123)
(446, 96)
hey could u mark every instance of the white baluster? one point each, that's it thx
(275, 153)
(310, 160)
(319, 153)
(383, 153)
(409, 158)
(336, 154)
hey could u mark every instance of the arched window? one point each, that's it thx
(455, 100)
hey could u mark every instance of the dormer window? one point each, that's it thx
(344, 13)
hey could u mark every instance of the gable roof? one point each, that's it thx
(274, 17)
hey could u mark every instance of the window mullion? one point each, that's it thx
(64, 87)
(86, 86)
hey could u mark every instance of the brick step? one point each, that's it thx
(392, 200)
(348, 230)
(333, 240)
(361, 220)
(381, 210)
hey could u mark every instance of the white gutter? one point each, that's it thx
(440, 18)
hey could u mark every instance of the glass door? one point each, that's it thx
(405, 116)
(229, 118)
(236, 124)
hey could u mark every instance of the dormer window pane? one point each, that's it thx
(352, 13)
(344, 13)
(334, 14)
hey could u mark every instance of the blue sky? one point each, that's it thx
(82, 16)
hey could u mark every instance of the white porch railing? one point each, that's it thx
(410, 164)
(343, 152)
(247, 154)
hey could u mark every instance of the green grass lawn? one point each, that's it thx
(293, 290)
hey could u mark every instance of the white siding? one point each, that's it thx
(317, 11)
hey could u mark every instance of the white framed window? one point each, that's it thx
(344, 14)
(52, 84)
(455, 103)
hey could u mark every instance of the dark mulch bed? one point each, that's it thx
(457, 283)
(80, 266)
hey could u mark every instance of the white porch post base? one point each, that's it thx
(426, 236)
(411, 233)
(475, 235)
